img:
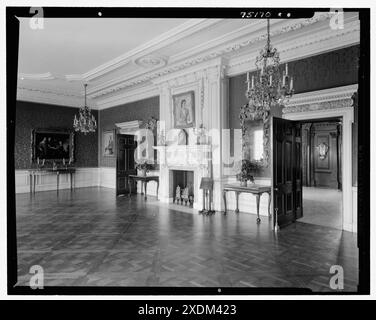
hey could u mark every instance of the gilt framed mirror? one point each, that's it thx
(255, 125)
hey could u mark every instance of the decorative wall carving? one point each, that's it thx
(151, 61)
(325, 105)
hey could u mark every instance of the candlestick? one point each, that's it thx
(284, 80)
(253, 82)
(291, 84)
(248, 85)
(287, 69)
(247, 76)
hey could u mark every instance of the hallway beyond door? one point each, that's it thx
(322, 207)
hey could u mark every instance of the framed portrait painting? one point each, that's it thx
(184, 110)
(108, 143)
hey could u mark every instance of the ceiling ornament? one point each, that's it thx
(151, 61)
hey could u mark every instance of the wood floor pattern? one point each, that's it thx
(89, 237)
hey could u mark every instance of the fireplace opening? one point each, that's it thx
(183, 187)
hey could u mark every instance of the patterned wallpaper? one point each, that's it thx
(31, 115)
(328, 70)
(138, 110)
(324, 71)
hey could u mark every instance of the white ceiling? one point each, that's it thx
(116, 56)
(75, 46)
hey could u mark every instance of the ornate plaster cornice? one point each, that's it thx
(341, 97)
(311, 44)
(51, 97)
(122, 83)
(175, 34)
(40, 76)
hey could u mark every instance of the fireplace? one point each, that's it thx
(183, 187)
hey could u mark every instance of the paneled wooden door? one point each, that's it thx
(287, 171)
(125, 165)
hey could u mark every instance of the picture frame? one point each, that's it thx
(52, 144)
(184, 110)
(108, 143)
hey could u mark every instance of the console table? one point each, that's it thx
(255, 189)
(33, 173)
(144, 182)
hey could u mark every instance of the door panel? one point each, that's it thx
(125, 166)
(325, 150)
(287, 171)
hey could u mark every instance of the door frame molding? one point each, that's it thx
(344, 110)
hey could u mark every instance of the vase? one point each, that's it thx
(143, 172)
(243, 183)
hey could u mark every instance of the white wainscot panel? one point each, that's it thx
(84, 177)
(107, 177)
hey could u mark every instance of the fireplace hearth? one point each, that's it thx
(183, 187)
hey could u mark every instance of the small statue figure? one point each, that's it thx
(185, 195)
(177, 194)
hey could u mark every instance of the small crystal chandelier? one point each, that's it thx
(86, 121)
(268, 87)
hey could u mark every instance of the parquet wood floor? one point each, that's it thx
(89, 237)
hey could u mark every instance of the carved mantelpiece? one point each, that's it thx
(193, 158)
(186, 156)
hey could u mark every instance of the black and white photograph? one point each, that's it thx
(257, 185)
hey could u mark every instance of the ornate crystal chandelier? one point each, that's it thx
(268, 86)
(86, 121)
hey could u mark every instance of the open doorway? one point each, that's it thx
(321, 172)
(307, 172)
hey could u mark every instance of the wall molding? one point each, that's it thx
(49, 97)
(127, 96)
(334, 98)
